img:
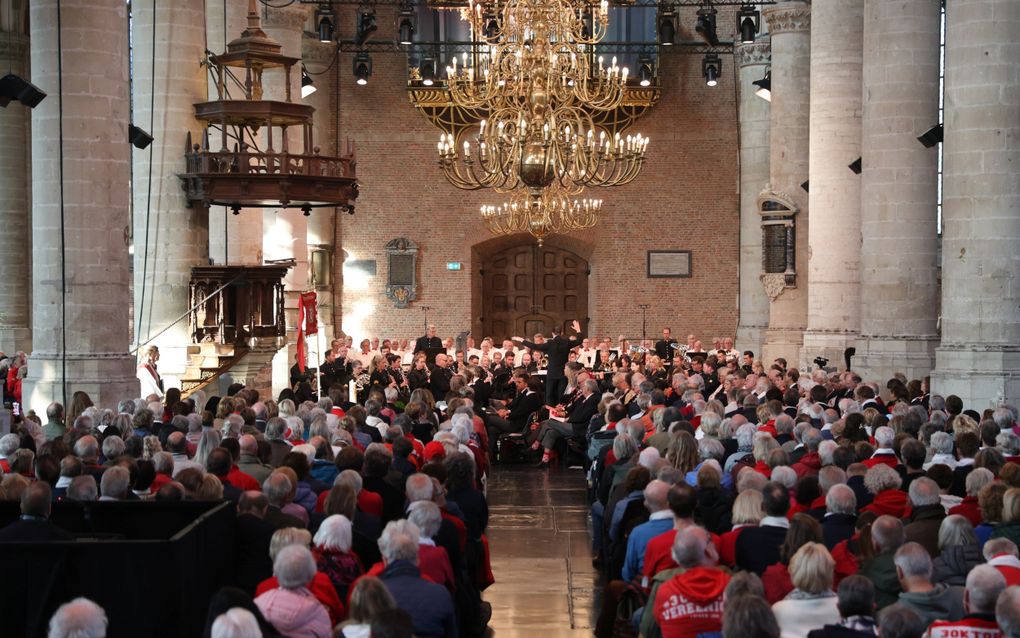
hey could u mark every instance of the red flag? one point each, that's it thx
(307, 323)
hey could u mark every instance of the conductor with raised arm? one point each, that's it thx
(557, 350)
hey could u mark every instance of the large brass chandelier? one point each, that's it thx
(534, 73)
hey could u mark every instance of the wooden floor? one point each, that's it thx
(541, 556)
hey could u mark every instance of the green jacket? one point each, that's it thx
(649, 628)
(881, 571)
(54, 430)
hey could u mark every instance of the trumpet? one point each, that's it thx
(638, 349)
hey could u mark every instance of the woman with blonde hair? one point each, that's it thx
(812, 604)
(1010, 527)
(369, 600)
(683, 452)
(747, 512)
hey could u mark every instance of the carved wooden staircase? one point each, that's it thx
(210, 363)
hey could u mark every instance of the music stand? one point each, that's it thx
(430, 354)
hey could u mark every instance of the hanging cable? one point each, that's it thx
(63, 227)
(140, 310)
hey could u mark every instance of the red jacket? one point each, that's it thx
(727, 547)
(970, 626)
(808, 465)
(892, 502)
(776, 579)
(691, 603)
(884, 459)
(659, 554)
(968, 508)
(242, 481)
(323, 590)
(763, 468)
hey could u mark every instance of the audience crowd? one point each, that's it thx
(728, 497)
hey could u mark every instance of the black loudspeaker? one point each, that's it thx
(138, 137)
(805, 185)
(855, 166)
(13, 87)
(932, 136)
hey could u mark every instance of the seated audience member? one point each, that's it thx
(776, 578)
(899, 621)
(430, 605)
(1007, 612)
(926, 515)
(840, 520)
(333, 555)
(930, 601)
(369, 600)
(958, 551)
(855, 599)
(236, 623)
(83, 489)
(253, 536)
(691, 602)
(1001, 553)
(886, 537)
(34, 524)
(228, 598)
(278, 490)
(291, 607)
(80, 618)
(812, 604)
(433, 561)
(1010, 526)
(660, 520)
(320, 585)
(758, 547)
(984, 586)
(749, 616)
(883, 482)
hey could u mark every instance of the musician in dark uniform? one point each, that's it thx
(439, 377)
(663, 347)
(557, 350)
(331, 372)
(418, 377)
(430, 340)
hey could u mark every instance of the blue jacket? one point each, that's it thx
(429, 604)
(324, 471)
(637, 543)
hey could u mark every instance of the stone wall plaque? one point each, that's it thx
(402, 271)
(669, 263)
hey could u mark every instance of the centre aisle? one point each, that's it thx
(541, 555)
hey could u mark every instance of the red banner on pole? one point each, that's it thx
(307, 324)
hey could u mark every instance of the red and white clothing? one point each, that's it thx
(691, 603)
(1009, 566)
(148, 379)
(970, 626)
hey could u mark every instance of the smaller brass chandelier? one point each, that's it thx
(541, 212)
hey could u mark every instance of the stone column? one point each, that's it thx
(752, 60)
(834, 255)
(789, 25)
(169, 237)
(80, 295)
(15, 216)
(899, 277)
(979, 357)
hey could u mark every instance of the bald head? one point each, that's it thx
(887, 533)
(657, 496)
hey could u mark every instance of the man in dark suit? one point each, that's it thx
(430, 340)
(663, 347)
(575, 421)
(557, 350)
(251, 541)
(840, 519)
(439, 377)
(758, 547)
(277, 489)
(514, 418)
(34, 524)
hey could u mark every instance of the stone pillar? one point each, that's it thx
(81, 295)
(834, 255)
(15, 216)
(899, 277)
(789, 26)
(752, 60)
(169, 237)
(979, 357)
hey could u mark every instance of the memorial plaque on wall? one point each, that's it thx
(669, 263)
(402, 271)
(774, 248)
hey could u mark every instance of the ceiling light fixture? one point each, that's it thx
(405, 26)
(705, 26)
(645, 71)
(748, 23)
(307, 85)
(427, 70)
(667, 25)
(14, 87)
(325, 24)
(362, 68)
(366, 26)
(711, 68)
(763, 87)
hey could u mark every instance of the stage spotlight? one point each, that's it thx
(325, 24)
(932, 136)
(362, 68)
(667, 25)
(855, 166)
(405, 29)
(366, 26)
(711, 68)
(427, 71)
(307, 85)
(139, 138)
(705, 26)
(748, 21)
(645, 72)
(14, 87)
(763, 87)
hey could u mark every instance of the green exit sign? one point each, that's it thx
(453, 265)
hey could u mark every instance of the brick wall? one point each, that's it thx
(686, 197)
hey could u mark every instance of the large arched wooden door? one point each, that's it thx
(528, 288)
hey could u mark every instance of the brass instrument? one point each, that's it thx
(683, 349)
(638, 349)
(543, 363)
